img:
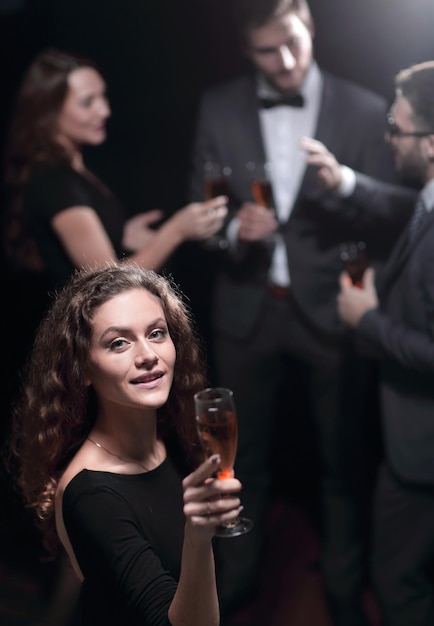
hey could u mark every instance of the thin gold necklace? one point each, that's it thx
(98, 445)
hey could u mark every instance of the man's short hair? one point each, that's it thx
(250, 14)
(416, 84)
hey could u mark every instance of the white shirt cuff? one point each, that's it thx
(232, 233)
(348, 182)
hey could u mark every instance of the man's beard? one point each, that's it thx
(411, 175)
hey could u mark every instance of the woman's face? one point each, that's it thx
(84, 113)
(132, 355)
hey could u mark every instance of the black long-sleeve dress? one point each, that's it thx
(127, 534)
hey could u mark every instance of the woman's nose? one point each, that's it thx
(104, 108)
(145, 355)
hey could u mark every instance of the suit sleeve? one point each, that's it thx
(410, 347)
(384, 201)
(374, 203)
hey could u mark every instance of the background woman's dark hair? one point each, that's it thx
(31, 140)
(56, 410)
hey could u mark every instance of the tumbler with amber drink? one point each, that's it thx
(354, 259)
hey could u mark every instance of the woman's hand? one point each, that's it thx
(201, 220)
(137, 234)
(209, 501)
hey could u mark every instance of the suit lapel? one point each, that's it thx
(327, 129)
(328, 125)
(401, 252)
(250, 129)
(394, 263)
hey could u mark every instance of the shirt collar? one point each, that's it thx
(427, 194)
(310, 89)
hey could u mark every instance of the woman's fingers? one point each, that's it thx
(204, 471)
(208, 500)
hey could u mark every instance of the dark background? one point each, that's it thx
(158, 55)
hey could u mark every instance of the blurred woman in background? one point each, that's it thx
(60, 215)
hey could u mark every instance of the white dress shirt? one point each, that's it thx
(427, 194)
(282, 129)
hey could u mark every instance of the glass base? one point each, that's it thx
(235, 528)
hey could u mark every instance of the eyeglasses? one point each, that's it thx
(393, 130)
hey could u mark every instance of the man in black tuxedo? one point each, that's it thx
(274, 299)
(398, 324)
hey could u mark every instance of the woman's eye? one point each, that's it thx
(158, 333)
(117, 344)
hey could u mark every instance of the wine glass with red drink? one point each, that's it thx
(216, 179)
(217, 427)
(216, 183)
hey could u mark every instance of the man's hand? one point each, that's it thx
(354, 302)
(256, 222)
(329, 170)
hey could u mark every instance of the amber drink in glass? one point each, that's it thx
(218, 432)
(354, 259)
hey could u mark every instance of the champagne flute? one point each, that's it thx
(218, 432)
(353, 256)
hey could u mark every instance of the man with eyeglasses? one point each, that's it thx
(393, 130)
(395, 318)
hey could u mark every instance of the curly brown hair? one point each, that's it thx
(56, 410)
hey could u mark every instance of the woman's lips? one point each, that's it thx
(150, 379)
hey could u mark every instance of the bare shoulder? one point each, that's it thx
(85, 458)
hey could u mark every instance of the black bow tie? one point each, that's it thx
(295, 100)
